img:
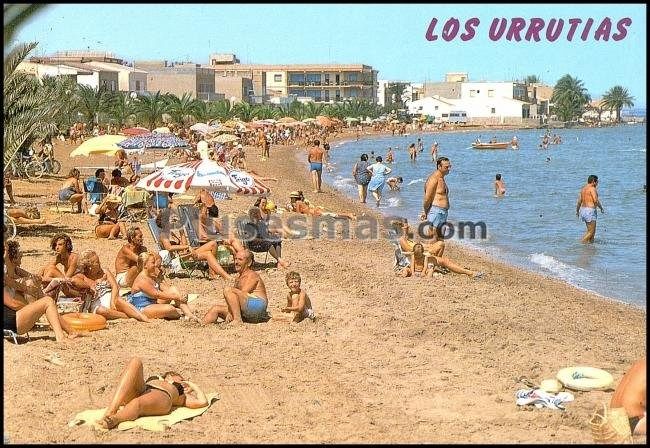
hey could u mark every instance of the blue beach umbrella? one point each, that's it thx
(153, 141)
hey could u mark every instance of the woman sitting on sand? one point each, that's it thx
(103, 290)
(61, 244)
(420, 266)
(20, 284)
(158, 395)
(108, 226)
(262, 239)
(154, 298)
(71, 189)
(434, 251)
(21, 314)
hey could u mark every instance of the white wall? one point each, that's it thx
(89, 80)
(432, 107)
(482, 90)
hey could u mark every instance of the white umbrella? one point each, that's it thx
(206, 174)
(202, 128)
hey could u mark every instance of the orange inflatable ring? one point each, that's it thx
(85, 321)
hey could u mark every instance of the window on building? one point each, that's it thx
(493, 110)
(445, 115)
(137, 86)
(312, 79)
(277, 78)
(472, 93)
(354, 77)
(435, 108)
(491, 93)
(296, 78)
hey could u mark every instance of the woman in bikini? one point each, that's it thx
(108, 226)
(103, 290)
(71, 189)
(155, 299)
(136, 397)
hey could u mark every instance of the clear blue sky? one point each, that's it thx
(391, 38)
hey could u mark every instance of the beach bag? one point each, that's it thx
(610, 425)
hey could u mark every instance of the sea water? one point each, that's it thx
(534, 226)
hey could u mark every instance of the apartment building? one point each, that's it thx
(180, 78)
(315, 82)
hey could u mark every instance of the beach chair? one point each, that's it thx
(135, 205)
(182, 265)
(246, 233)
(95, 192)
(13, 335)
(190, 217)
(401, 258)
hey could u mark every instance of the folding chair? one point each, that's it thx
(246, 232)
(187, 266)
(14, 335)
(95, 192)
(135, 205)
(190, 217)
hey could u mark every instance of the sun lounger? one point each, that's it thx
(13, 335)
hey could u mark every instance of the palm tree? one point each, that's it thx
(312, 110)
(15, 15)
(31, 109)
(267, 111)
(183, 109)
(244, 111)
(92, 102)
(121, 108)
(569, 98)
(222, 110)
(616, 98)
(150, 109)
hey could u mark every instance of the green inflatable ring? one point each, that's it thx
(585, 378)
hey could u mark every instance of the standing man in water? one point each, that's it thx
(586, 207)
(436, 198)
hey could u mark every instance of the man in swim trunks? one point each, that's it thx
(247, 300)
(436, 198)
(586, 207)
(315, 159)
(631, 395)
(126, 261)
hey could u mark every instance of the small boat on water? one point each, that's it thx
(496, 145)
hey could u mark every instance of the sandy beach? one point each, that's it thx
(387, 360)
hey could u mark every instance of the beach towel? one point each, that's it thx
(541, 399)
(153, 423)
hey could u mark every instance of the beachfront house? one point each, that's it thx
(129, 79)
(39, 70)
(327, 83)
(434, 107)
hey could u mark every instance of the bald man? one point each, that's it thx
(630, 394)
(247, 300)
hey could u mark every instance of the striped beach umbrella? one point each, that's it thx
(206, 174)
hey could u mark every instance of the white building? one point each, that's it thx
(40, 70)
(129, 79)
(494, 100)
(436, 107)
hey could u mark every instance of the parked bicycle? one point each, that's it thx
(31, 165)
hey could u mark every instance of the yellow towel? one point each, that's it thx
(153, 423)
(124, 291)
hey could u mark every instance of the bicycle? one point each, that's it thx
(43, 163)
(22, 166)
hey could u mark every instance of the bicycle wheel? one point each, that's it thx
(34, 170)
(56, 166)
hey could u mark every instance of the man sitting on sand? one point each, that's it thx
(631, 395)
(126, 261)
(247, 300)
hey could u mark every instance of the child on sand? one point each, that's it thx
(297, 299)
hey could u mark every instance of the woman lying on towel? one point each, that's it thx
(158, 395)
